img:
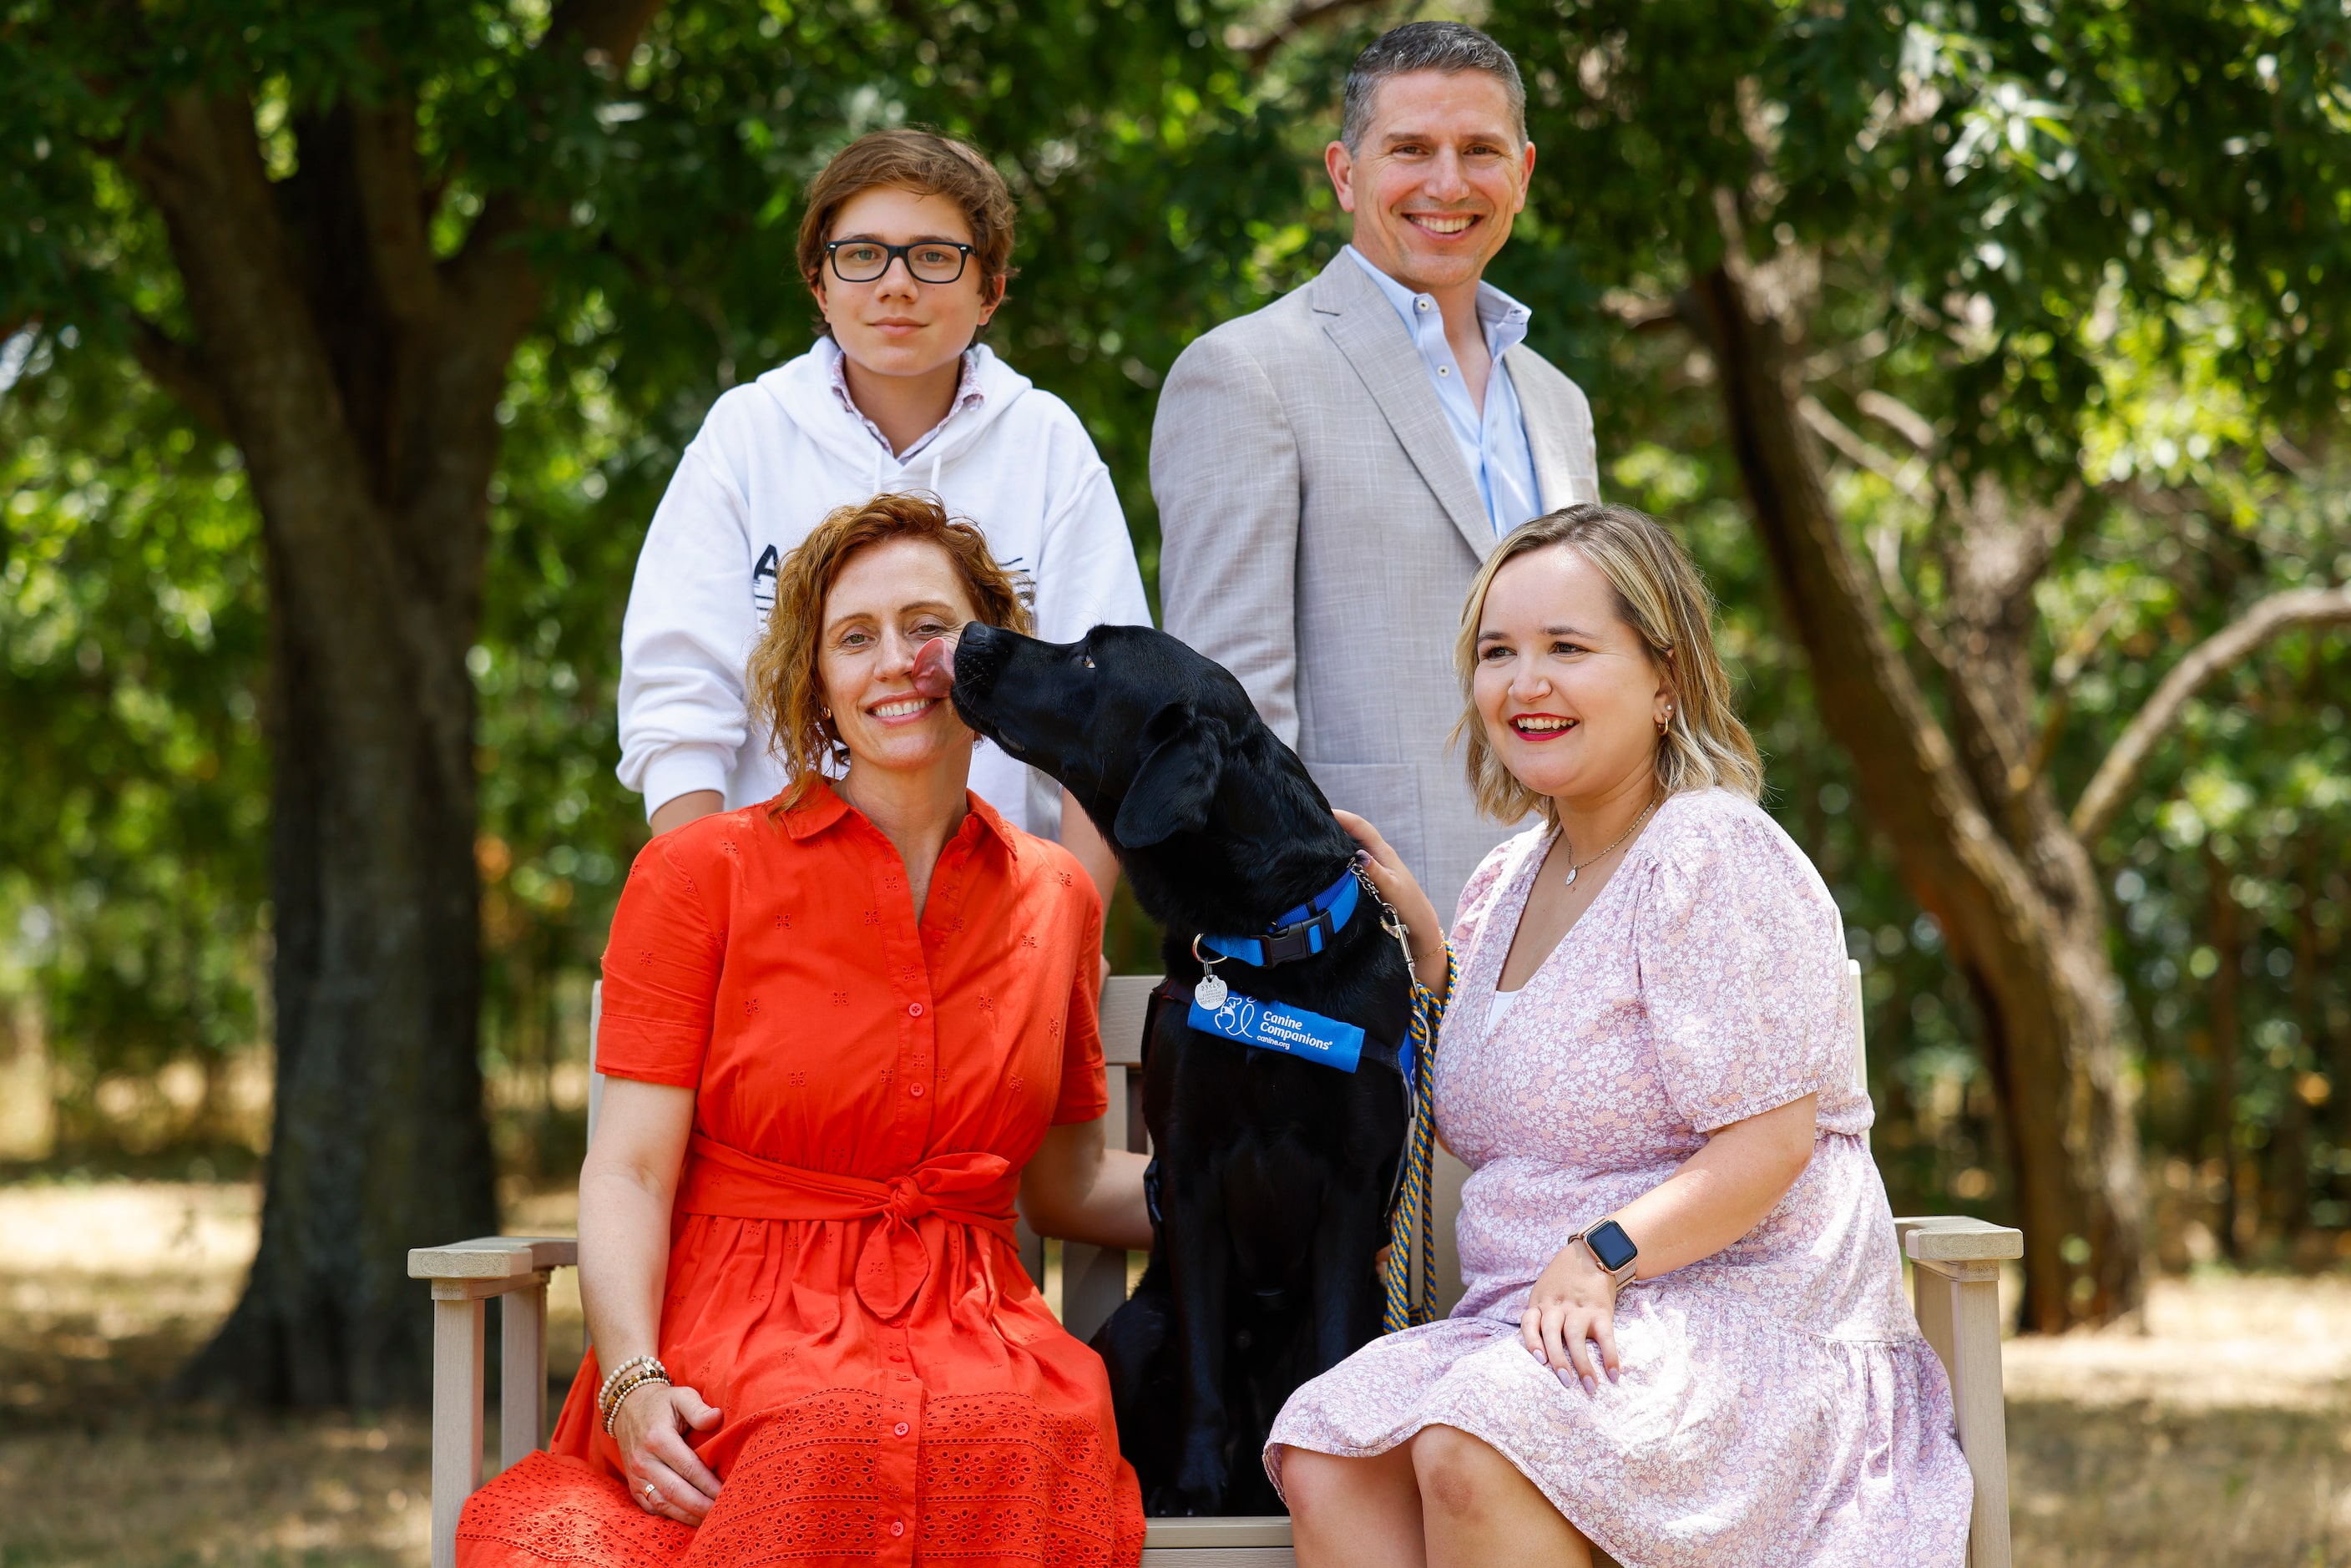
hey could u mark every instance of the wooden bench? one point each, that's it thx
(1955, 1283)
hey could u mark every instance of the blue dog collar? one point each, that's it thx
(1298, 933)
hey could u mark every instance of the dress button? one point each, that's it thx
(897, 1527)
(899, 1430)
(916, 1092)
(914, 1010)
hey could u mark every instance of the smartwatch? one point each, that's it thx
(1612, 1250)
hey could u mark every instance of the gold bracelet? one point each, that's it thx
(621, 1395)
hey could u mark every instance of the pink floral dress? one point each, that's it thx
(1777, 1405)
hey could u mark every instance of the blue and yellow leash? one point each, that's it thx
(1416, 1213)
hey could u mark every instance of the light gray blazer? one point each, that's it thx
(1318, 533)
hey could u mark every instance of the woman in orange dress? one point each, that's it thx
(840, 1031)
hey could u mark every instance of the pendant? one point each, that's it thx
(1209, 993)
(1571, 877)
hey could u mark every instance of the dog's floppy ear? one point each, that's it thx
(1177, 781)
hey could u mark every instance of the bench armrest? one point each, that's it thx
(493, 1257)
(1955, 1283)
(1956, 1238)
(513, 1268)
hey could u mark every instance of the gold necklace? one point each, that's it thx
(1572, 867)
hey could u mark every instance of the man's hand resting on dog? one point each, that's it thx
(1396, 885)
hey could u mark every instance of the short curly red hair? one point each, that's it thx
(785, 686)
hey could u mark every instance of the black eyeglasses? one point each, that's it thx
(927, 260)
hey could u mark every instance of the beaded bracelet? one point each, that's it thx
(610, 1395)
(605, 1393)
(614, 1375)
(621, 1394)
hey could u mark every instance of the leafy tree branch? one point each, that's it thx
(2127, 759)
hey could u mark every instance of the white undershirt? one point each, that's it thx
(1498, 1006)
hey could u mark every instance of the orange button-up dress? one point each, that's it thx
(843, 1281)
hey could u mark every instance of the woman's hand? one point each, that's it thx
(1387, 871)
(1575, 1301)
(651, 1430)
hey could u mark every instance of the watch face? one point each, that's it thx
(1610, 1245)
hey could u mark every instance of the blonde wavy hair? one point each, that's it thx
(1660, 596)
(785, 685)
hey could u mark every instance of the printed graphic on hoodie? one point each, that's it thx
(763, 582)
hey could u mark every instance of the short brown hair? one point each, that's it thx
(1451, 47)
(785, 688)
(1661, 597)
(928, 165)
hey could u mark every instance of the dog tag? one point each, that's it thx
(1276, 1026)
(1209, 994)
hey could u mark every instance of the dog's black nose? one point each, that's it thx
(981, 653)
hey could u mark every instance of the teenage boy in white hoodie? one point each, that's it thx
(906, 247)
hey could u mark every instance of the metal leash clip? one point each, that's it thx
(1390, 921)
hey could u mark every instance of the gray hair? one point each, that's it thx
(1449, 47)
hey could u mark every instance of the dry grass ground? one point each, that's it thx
(2221, 1435)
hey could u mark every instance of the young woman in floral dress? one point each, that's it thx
(1684, 1340)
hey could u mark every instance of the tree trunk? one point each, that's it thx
(359, 374)
(369, 439)
(2228, 1044)
(2310, 1014)
(2015, 894)
(379, 1143)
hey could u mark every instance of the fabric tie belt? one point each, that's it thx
(973, 1189)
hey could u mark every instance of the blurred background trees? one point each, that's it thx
(2042, 307)
(1904, 241)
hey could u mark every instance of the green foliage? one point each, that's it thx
(133, 632)
(2083, 244)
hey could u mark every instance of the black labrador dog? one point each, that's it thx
(1272, 1173)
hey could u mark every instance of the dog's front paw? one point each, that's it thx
(1200, 1479)
(1164, 1501)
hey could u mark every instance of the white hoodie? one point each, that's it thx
(770, 461)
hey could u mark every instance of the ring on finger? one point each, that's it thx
(651, 1496)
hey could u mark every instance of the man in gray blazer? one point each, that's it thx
(1332, 470)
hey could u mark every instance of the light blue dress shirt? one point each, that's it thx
(1494, 444)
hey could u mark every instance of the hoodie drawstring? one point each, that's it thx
(937, 458)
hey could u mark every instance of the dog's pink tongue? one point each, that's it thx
(935, 668)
